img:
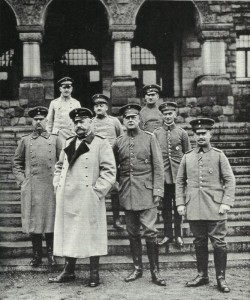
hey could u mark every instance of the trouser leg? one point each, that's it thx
(37, 248)
(49, 237)
(217, 233)
(133, 228)
(199, 229)
(94, 271)
(68, 273)
(116, 211)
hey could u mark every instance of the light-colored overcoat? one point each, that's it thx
(33, 167)
(83, 178)
(203, 183)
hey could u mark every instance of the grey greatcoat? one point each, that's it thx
(203, 183)
(83, 177)
(33, 167)
(141, 174)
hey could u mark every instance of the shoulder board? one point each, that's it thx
(189, 151)
(218, 150)
(150, 133)
(100, 136)
(27, 134)
(56, 134)
(119, 137)
(157, 128)
(70, 137)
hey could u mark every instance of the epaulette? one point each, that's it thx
(189, 151)
(157, 128)
(55, 134)
(70, 137)
(218, 150)
(100, 136)
(119, 137)
(27, 134)
(150, 133)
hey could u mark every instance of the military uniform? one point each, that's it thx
(204, 183)
(140, 168)
(151, 117)
(174, 142)
(110, 128)
(33, 168)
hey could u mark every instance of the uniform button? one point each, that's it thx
(30, 144)
(132, 175)
(30, 151)
(132, 138)
(131, 164)
(86, 185)
(86, 176)
(86, 167)
(131, 170)
(201, 187)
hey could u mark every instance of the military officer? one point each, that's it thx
(141, 179)
(151, 117)
(205, 187)
(33, 167)
(174, 142)
(110, 128)
(59, 121)
(84, 174)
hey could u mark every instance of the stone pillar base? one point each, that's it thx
(213, 85)
(121, 90)
(33, 91)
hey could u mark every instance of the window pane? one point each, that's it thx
(3, 75)
(79, 57)
(135, 74)
(240, 64)
(94, 76)
(149, 77)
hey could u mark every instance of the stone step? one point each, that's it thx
(230, 145)
(121, 247)
(9, 195)
(111, 262)
(235, 228)
(14, 219)
(241, 170)
(245, 161)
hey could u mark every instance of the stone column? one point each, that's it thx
(31, 87)
(123, 85)
(214, 80)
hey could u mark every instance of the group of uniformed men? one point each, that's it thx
(84, 157)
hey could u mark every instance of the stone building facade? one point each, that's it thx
(198, 51)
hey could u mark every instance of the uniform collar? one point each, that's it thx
(205, 149)
(63, 99)
(169, 127)
(44, 134)
(88, 139)
(133, 132)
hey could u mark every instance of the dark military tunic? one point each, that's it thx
(151, 118)
(33, 167)
(203, 183)
(141, 176)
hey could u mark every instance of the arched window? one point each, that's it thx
(144, 68)
(79, 57)
(6, 62)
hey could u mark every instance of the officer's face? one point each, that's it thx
(169, 116)
(82, 127)
(131, 122)
(39, 123)
(202, 137)
(66, 89)
(151, 98)
(100, 109)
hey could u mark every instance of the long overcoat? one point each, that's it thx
(33, 167)
(151, 118)
(83, 177)
(174, 142)
(141, 175)
(203, 183)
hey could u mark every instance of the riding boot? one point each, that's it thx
(153, 256)
(220, 262)
(94, 271)
(136, 251)
(202, 266)
(68, 273)
(116, 212)
(49, 237)
(37, 247)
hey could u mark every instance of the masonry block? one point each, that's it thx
(9, 112)
(195, 111)
(4, 104)
(228, 110)
(207, 111)
(217, 110)
(191, 102)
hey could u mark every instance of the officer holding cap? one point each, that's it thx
(174, 142)
(84, 174)
(205, 187)
(58, 116)
(110, 128)
(33, 167)
(151, 117)
(141, 178)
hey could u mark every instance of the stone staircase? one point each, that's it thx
(15, 246)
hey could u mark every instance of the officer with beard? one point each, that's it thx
(33, 167)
